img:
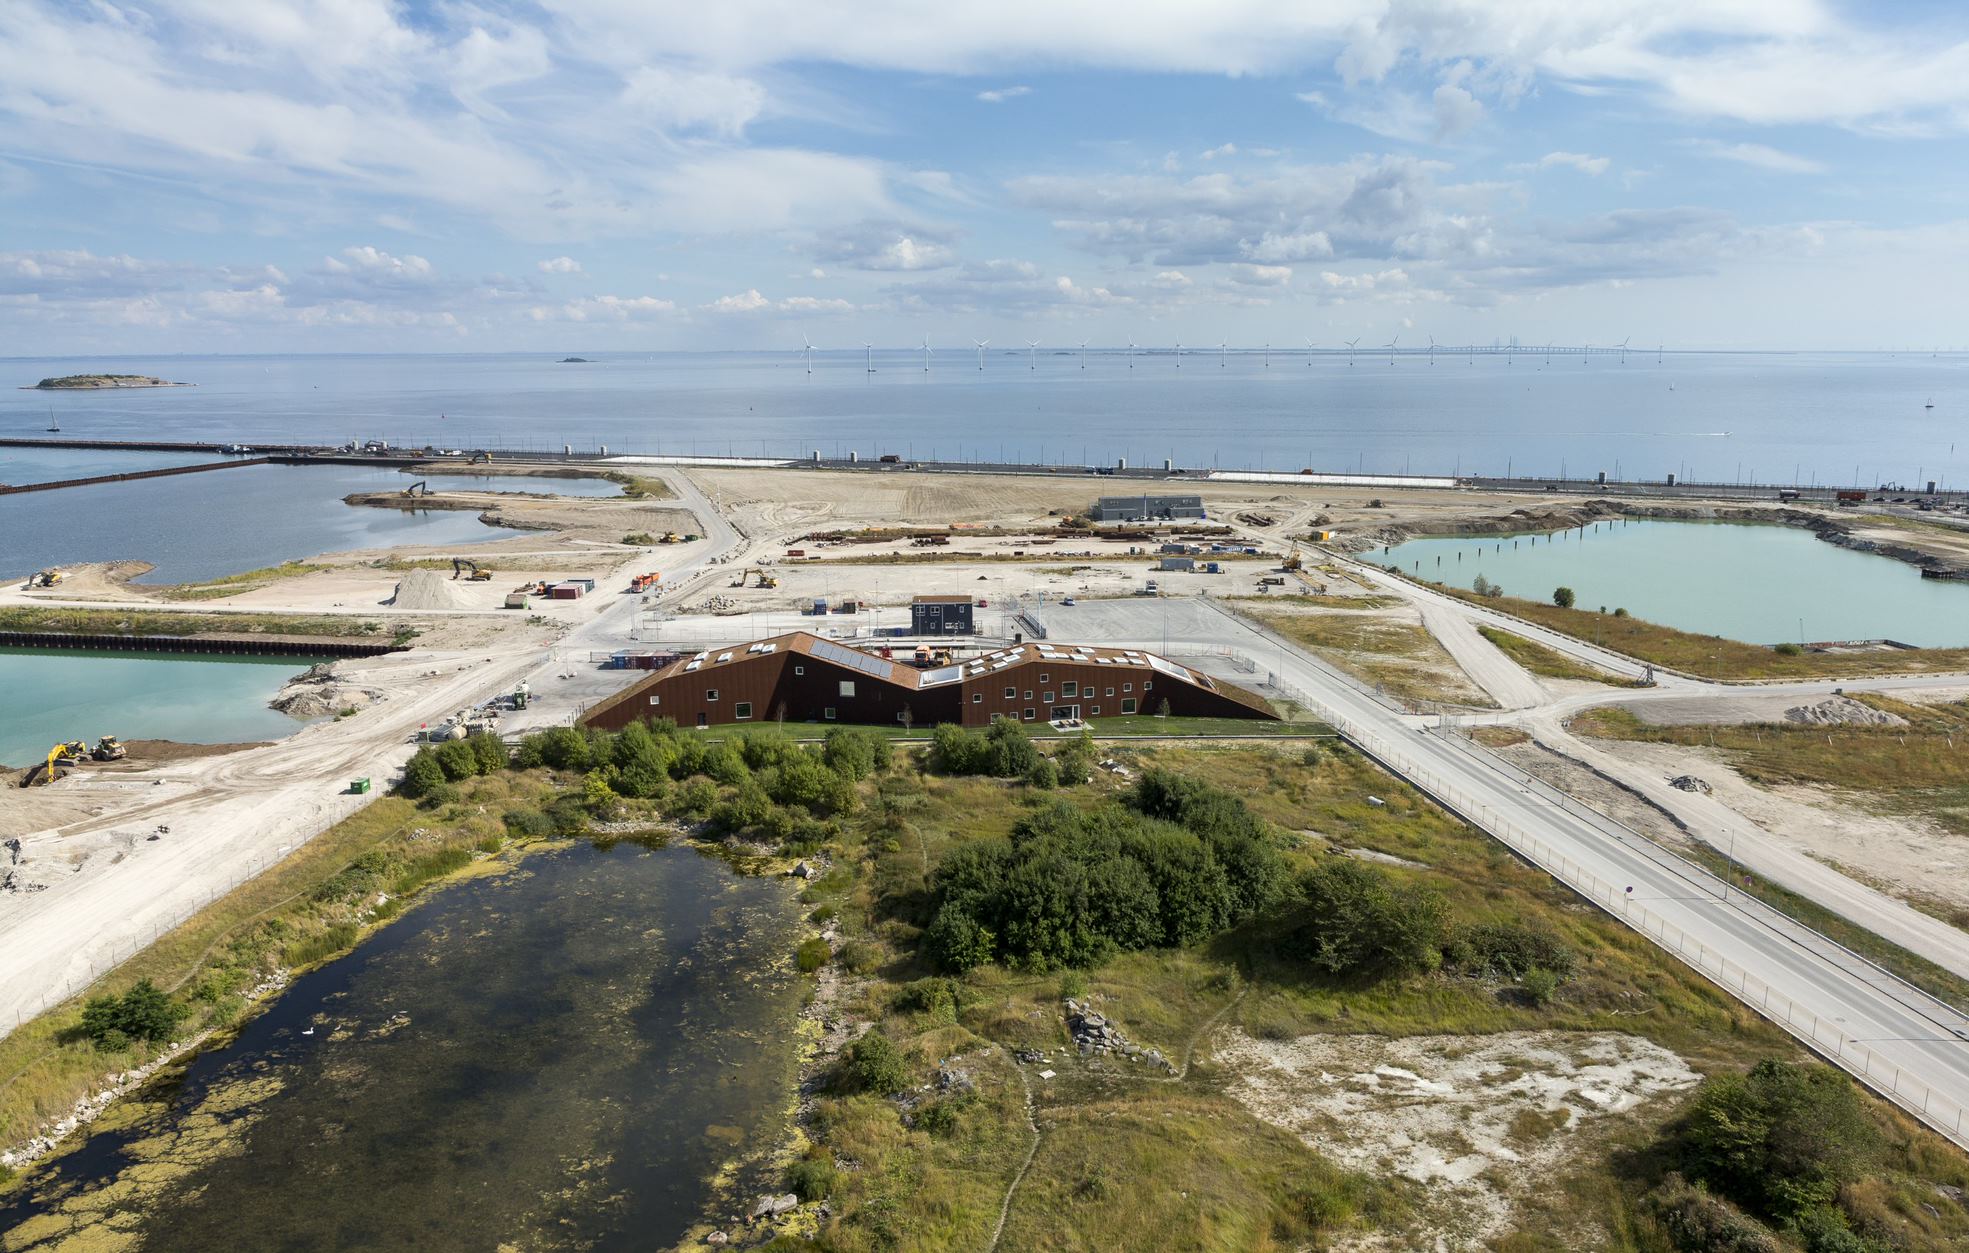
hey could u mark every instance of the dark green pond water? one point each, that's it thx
(562, 1056)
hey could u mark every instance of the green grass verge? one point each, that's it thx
(640, 487)
(1401, 658)
(1712, 656)
(182, 622)
(1549, 663)
(233, 584)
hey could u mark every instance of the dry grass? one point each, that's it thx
(245, 581)
(1547, 662)
(1712, 656)
(1401, 658)
(172, 622)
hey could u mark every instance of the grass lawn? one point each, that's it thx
(1548, 662)
(177, 622)
(1401, 658)
(1712, 656)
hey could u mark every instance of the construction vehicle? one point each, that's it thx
(1293, 562)
(46, 578)
(72, 751)
(927, 656)
(466, 563)
(480, 456)
(420, 488)
(669, 537)
(765, 580)
(109, 748)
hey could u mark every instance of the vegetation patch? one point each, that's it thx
(233, 584)
(1401, 658)
(170, 622)
(1549, 663)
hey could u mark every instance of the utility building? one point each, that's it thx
(941, 615)
(801, 677)
(1147, 509)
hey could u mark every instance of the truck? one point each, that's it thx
(891, 459)
(1787, 493)
(1850, 497)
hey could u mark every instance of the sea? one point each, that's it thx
(1714, 417)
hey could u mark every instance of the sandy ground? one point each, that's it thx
(1480, 1122)
(1574, 779)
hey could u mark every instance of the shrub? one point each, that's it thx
(939, 1119)
(855, 752)
(957, 942)
(694, 798)
(1003, 750)
(935, 997)
(1620, 612)
(1044, 775)
(1309, 757)
(1075, 759)
(420, 774)
(1563, 597)
(144, 1012)
(1484, 587)
(490, 751)
(1540, 985)
(1780, 1140)
(812, 954)
(563, 748)
(1352, 920)
(861, 957)
(873, 1064)
(598, 796)
(1509, 950)
(1788, 649)
(1700, 1223)
(527, 824)
(812, 1178)
(458, 759)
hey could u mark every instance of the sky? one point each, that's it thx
(218, 176)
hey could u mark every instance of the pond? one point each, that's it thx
(55, 695)
(559, 1056)
(1762, 584)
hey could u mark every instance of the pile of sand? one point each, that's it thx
(1838, 711)
(321, 692)
(427, 589)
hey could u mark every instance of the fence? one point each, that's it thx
(1822, 1036)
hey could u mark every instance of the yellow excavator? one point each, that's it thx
(1293, 561)
(73, 751)
(47, 578)
(459, 564)
(480, 457)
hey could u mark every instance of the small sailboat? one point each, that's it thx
(1930, 404)
(56, 426)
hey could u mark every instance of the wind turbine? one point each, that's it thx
(1131, 353)
(871, 355)
(810, 353)
(1350, 349)
(1391, 348)
(982, 345)
(1432, 350)
(1179, 354)
(1083, 354)
(926, 354)
(1309, 352)
(1268, 356)
(1032, 354)
(1223, 354)
(1623, 350)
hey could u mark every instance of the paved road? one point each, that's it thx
(1905, 1044)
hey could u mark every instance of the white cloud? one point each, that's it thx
(999, 95)
(1261, 275)
(1457, 112)
(751, 301)
(1299, 246)
(688, 100)
(365, 259)
(1221, 150)
(605, 309)
(1172, 280)
(1761, 156)
(1580, 161)
(887, 246)
(559, 265)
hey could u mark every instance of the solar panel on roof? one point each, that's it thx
(827, 651)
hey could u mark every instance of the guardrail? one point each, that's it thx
(1943, 1114)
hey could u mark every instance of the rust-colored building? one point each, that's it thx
(801, 677)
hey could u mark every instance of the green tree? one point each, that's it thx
(1563, 597)
(491, 752)
(458, 760)
(1352, 920)
(957, 942)
(564, 748)
(1044, 775)
(421, 774)
(1780, 1140)
(1076, 759)
(598, 796)
(873, 1064)
(144, 1012)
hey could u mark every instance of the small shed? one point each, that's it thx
(941, 615)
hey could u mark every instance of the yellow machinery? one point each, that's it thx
(1292, 561)
(73, 751)
(459, 564)
(419, 488)
(669, 537)
(480, 456)
(109, 748)
(765, 580)
(47, 578)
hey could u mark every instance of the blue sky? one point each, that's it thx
(354, 175)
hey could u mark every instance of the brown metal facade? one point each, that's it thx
(788, 681)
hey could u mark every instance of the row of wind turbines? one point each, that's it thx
(1392, 348)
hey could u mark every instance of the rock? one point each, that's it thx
(717, 1237)
(1689, 783)
(1837, 711)
(804, 871)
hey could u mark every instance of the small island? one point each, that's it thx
(576, 361)
(99, 382)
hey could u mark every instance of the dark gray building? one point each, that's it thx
(1147, 508)
(940, 615)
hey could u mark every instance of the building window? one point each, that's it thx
(1030, 713)
(711, 694)
(1044, 677)
(828, 713)
(977, 698)
(1011, 693)
(1093, 711)
(1110, 691)
(742, 710)
(799, 669)
(1028, 693)
(1147, 684)
(1128, 687)
(1048, 698)
(1069, 689)
(1128, 704)
(655, 699)
(847, 689)
(898, 715)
